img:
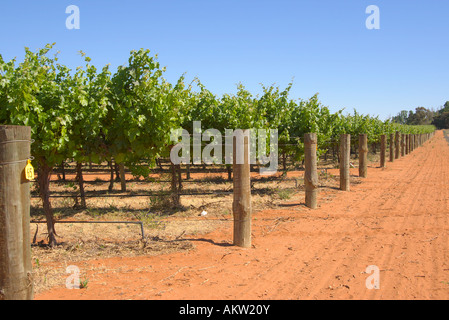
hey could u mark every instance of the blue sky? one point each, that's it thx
(323, 45)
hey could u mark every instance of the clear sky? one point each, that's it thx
(323, 45)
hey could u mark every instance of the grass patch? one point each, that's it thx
(285, 194)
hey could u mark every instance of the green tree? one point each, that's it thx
(421, 116)
(401, 117)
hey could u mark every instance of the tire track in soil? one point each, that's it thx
(435, 245)
(390, 220)
(392, 277)
(348, 269)
(413, 223)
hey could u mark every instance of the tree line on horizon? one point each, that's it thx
(423, 116)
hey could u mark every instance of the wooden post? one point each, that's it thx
(242, 191)
(396, 145)
(391, 147)
(402, 145)
(345, 148)
(383, 150)
(407, 144)
(310, 175)
(15, 244)
(410, 143)
(363, 155)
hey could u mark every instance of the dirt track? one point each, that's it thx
(397, 219)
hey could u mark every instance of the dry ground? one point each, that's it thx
(166, 229)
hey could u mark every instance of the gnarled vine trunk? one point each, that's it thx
(80, 179)
(111, 180)
(44, 176)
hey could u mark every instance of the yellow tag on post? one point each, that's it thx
(29, 171)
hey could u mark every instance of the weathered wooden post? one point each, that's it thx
(311, 174)
(383, 150)
(391, 147)
(407, 142)
(16, 281)
(397, 143)
(363, 155)
(410, 142)
(345, 152)
(402, 145)
(242, 190)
